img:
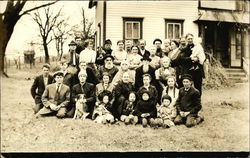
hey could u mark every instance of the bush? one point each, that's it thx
(215, 74)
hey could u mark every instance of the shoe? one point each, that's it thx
(144, 122)
(200, 119)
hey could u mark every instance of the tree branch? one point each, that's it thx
(41, 6)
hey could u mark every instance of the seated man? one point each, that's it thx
(108, 67)
(88, 89)
(188, 104)
(38, 87)
(55, 98)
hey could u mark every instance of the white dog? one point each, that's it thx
(81, 107)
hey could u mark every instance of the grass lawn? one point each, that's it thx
(226, 128)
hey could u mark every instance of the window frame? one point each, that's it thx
(174, 22)
(132, 20)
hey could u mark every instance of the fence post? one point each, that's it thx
(19, 63)
(5, 63)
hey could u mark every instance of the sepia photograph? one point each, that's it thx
(124, 76)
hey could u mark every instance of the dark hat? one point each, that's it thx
(58, 73)
(64, 61)
(187, 76)
(157, 39)
(146, 58)
(108, 56)
(72, 43)
(108, 41)
(166, 97)
(145, 91)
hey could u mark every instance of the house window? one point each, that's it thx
(132, 29)
(173, 29)
(242, 5)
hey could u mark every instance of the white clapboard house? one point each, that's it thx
(223, 25)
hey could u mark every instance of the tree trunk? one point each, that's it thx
(46, 53)
(7, 25)
(61, 49)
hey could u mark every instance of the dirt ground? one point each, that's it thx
(226, 127)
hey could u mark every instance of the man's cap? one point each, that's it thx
(108, 56)
(58, 73)
(157, 39)
(108, 41)
(72, 43)
(187, 76)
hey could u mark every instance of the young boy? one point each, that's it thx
(145, 108)
(128, 109)
(165, 113)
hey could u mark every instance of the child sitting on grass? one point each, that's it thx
(128, 108)
(102, 111)
(145, 108)
(165, 113)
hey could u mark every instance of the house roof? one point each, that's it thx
(223, 16)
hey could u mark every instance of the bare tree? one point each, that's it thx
(61, 33)
(8, 19)
(46, 27)
(85, 28)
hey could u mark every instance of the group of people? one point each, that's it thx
(160, 87)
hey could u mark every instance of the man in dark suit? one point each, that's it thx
(188, 104)
(143, 52)
(79, 46)
(186, 62)
(39, 85)
(68, 77)
(91, 78)
(72, 57)
(88, 89)
(55, 98)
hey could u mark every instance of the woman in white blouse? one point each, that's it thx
(88, 54)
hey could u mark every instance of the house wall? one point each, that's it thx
(154, 14)
(99, 19)
(219, 4)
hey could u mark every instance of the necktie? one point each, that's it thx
(57, 93)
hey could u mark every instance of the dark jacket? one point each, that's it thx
(146, 107)
(188, 101)
(90, 79)
(138, 76)
(183, 60)
(68, 80)
(123, 89)
(128, 108)
(111, 72)
(79, 48)
(88, 90)
(146, 54)
(38, 86)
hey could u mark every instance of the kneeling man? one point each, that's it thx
(188, 104)
(56, 97)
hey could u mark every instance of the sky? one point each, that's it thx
(26, 29)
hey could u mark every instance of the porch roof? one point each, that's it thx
(223, 16)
